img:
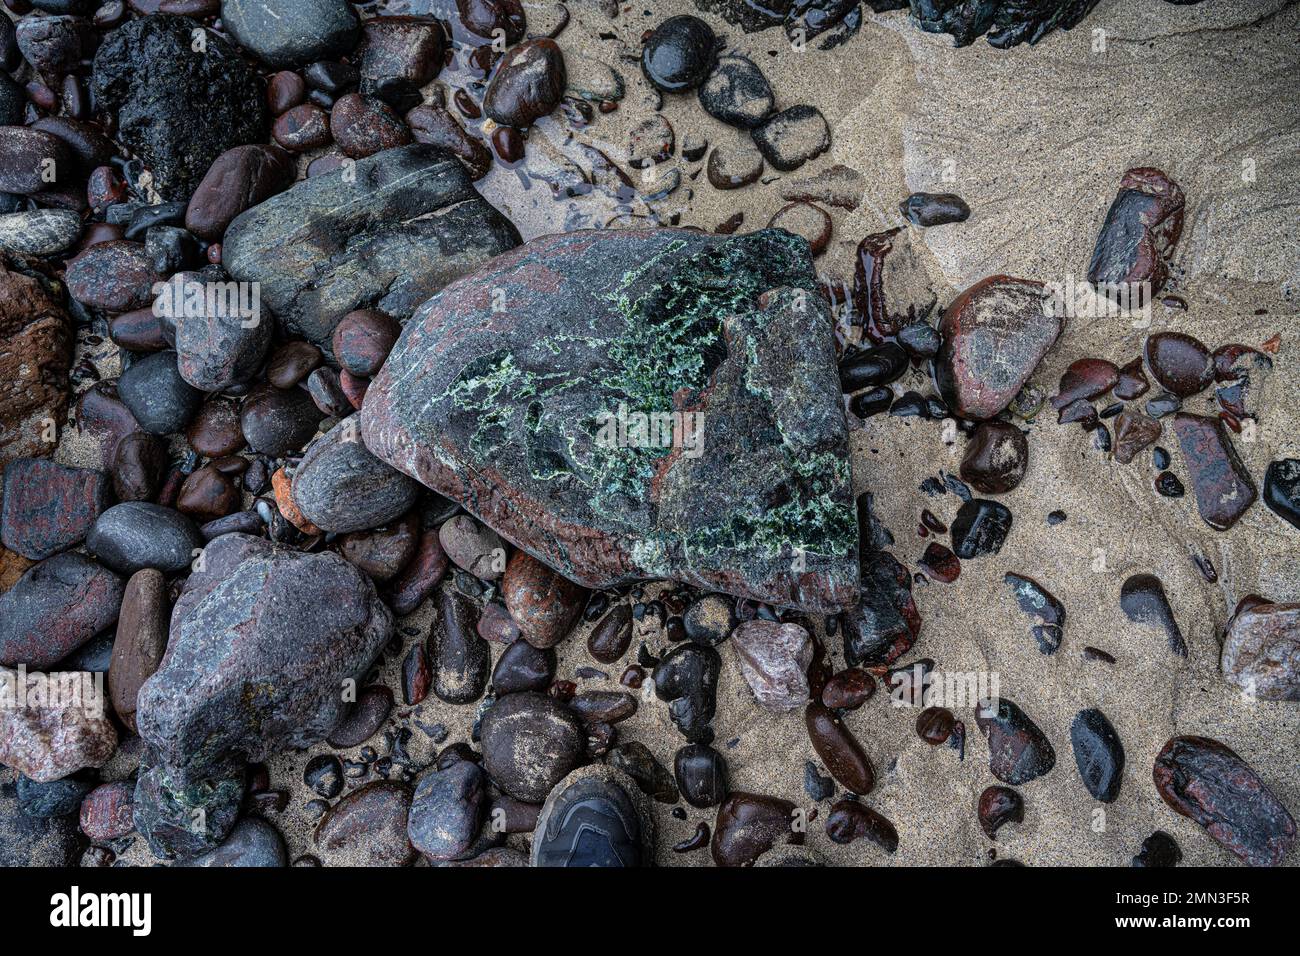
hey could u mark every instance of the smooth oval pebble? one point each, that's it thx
(839, 749)
(138, 534)
(39, 232)
(340, 486)
(368, 827)
(530, 742)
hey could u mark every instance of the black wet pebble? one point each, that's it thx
(679, 54)
(1098, 753)
(980, 528)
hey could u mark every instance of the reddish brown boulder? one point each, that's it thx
(543, 602)
(1130, 261)
(49, 507)
(1224, 488)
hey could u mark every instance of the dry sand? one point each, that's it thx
(1035, 139)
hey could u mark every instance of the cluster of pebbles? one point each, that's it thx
(331, 633)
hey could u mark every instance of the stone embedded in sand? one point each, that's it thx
(997, 807)
(567, 419)
(934, 209)
(1143, 600)
(1224, 488)
(1206, 781)
(368, 827)
(679, 54)
(1133, 432)
(1098, 753)
(1282, 489)
(1261, 652)
(447, 810)
(34, 359)
(737, 93)
(996, 457)
(885, 624)
(890, 287)
(47, 507)
(1181, 363)
(263, 642)
(839, 749)
(793, 137)
(56, 606)
(387, 232)
(687, 678)
(749, 824)
(774, 660)
(980, 528)
(994, 335)
(1130, 262)
(178, 106)
(58, 733)
(1018, 750)
(527, 84)
(851, 820)
(530, 741)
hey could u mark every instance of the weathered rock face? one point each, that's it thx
(636, 404)
(994, 335)
(1261, 653)
(262, 642)
(176, 107)
(58, 734)
(386, 233)
(1206, 781)
(35, 355)
(47, 507)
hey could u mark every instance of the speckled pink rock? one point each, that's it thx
(50, 732)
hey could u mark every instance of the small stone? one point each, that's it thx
(57, 44)
(749, 824)
(106, 813)
(1130, 260)
(55, 737)
(849, 689)
(1168, 485)
(1132, 382)
(737, 93)
(237, 180)
(679, 54)
(1086, 378)
(603, 706)
(403, 51)
(286, 33)
(1180, 363)
(1159, 849)
(1040, 604)
(383, 552)
(208, 494)
(461, 659)
(886, 623)
(687, 677)
(544, 603)
(994, 335)
(303, 129)
(809, 222)
(996, 458)
(530, 742)
(793, 137)
(522, 667)
(934, 725)
(1206, 781)
(999, 806)
(39, 232)
(214, 349)
(1018, 750)
(116, 276)
(1098, 753)
(158, 395)
(1134, 432)
(141, 640)
(650, 142)
(839, 750)
(1163, 404)
(365, 125)
(1142, 598)
(447, 810)
(709, 619)
(774, 660)
(48, 508)
(980, 528)
(408, 590)
(732, 166)
(34, 840)
(25, 154)
(340, 486)
(436, 126)
(473, 547)
(1261, 652)
(278, 422)
(1282, 489)
(374, 704)
(252, 842)
(369, 827)
(54, 608)
(651, 777)
(215, 432)
(1224, 488)
(851, 820)
(139, 534)
(934, 209)
(527, 84)
(611, 637)
(701, 775)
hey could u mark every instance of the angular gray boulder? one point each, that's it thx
(639, 404)
(386, 232)
(264, 644)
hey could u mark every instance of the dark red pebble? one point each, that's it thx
(999, 806)
(851, 820)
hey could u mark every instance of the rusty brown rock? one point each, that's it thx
(47, 507)
(611, 637)
(408, 590)
(35, 356)
(545, 604)
(749, 824)
(996, 458)
(1133, 432)
(436, 126)
(116, 276)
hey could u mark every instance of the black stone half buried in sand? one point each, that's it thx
(1143, 600)
(386, 232)
(625, 405)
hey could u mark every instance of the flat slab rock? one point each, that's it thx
(386, 232)
(516, 390)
